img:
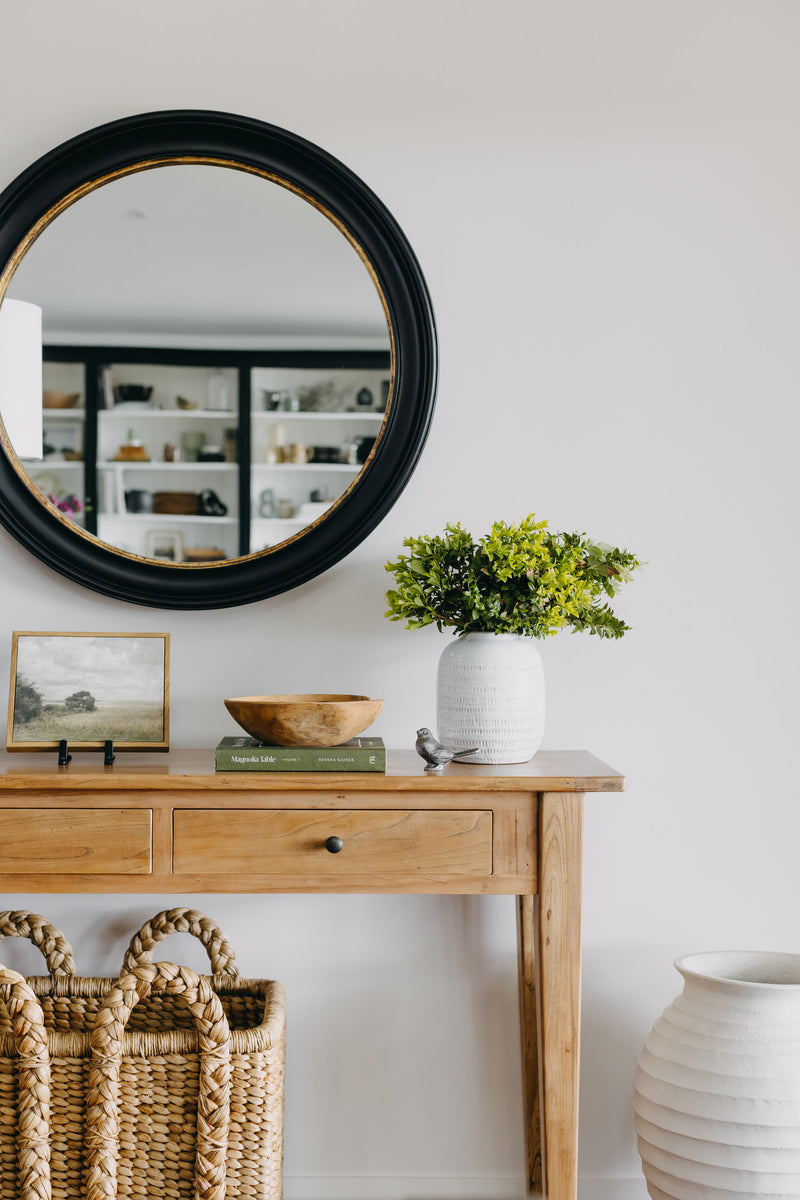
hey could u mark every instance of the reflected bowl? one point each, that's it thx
(304, 720)
(132, 393)
(53, 399)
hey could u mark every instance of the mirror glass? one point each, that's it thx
(217, 363)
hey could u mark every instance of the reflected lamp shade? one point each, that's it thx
(21, 376)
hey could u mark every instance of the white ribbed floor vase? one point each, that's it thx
(490, 694)
(717, 1098)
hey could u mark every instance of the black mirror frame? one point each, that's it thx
(305, 167)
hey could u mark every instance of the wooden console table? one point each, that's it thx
(168, 823)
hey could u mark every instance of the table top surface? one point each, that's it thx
(180, 770)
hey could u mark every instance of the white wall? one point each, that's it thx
(605, 201)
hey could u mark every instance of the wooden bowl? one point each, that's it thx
(51, 399)
(314, 720)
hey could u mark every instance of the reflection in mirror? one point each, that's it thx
(217, 363)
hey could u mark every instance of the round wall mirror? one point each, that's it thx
(239, 359)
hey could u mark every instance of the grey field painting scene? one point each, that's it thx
(89, 689)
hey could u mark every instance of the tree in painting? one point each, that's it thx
(27, 700)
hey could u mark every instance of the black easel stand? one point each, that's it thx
(64, 756)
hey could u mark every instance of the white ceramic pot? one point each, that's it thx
(490, 694)
(717, 1096)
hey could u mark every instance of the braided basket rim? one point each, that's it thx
(261, 1038)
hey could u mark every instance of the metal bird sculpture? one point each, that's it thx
(435, 754)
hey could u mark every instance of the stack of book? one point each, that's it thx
(248, 754)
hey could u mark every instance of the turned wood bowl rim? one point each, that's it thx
(296, 699)
(52, 398)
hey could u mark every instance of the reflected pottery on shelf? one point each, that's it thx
(130, 394)
(138, 500)
(359, 449)
(191, 444)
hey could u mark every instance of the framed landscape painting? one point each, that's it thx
(89, 688)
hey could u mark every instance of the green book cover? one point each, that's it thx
(248, 754)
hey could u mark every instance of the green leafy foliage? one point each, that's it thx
(516, 579)
(27, 700)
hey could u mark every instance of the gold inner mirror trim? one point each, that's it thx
(192, 160)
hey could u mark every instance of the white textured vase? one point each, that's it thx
(717, 1097)
(490, 694)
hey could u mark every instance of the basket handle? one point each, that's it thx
(54, 946)
(33, 1059)
(213, 1105)
(182, 920)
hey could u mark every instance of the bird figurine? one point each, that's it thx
(435, 754)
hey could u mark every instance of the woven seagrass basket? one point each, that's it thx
(162, 1084)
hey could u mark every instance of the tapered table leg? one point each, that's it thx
(527, 915)
(559, 985)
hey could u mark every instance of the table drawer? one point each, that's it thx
(75, 841)
(284, 841)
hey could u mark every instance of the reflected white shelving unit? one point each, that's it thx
(63, 434)
(290, 422)
(166, 429)
(280, 436)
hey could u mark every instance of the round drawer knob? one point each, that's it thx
(334, 844)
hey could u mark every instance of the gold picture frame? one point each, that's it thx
(87, 689)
